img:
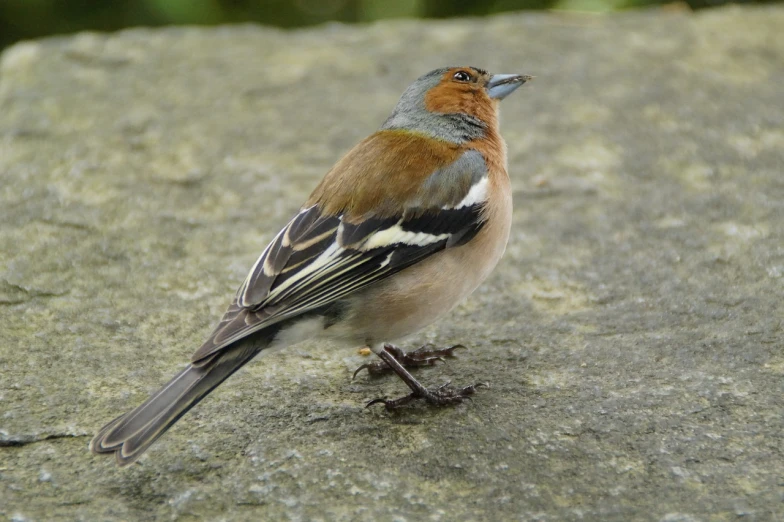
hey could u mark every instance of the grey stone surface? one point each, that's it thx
(632, 334)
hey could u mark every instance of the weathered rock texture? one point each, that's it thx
(632, 333)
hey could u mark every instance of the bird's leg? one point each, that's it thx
(426, 355)
(440, 397)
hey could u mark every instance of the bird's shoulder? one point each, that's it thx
(392, 170)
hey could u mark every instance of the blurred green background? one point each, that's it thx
(23, 19)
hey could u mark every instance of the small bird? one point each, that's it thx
(405, 226)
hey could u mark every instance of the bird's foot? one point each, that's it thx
(442, 396)
(426, 355)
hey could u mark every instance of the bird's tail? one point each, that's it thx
(129, 435)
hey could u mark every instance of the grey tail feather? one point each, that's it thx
(129, 435)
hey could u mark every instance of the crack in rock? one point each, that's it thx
(25, 440)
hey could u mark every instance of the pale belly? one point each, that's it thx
(421, 294)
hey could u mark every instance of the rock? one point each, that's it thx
(632, 334)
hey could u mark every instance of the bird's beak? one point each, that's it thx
(502, 85)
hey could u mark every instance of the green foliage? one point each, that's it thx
(20, 19)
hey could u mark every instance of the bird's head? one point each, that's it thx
(456, 104)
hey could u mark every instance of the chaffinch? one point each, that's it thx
(399, 231)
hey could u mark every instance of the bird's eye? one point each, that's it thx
(462, 76)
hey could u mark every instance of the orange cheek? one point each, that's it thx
(450, 98)
(447, 98)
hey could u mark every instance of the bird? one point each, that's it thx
(400, 230)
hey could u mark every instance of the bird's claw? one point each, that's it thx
(441, 396)
(429, 350)
(366, 365)
(426, 355)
